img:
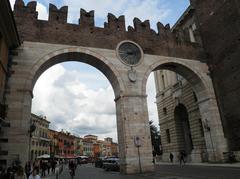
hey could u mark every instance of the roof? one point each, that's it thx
(183, 16)
(42, 118)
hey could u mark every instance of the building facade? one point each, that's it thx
(40, 141)
(78, 146)
(219, 24)
(179, 116)
(54, 146)
(65, 144)
(9, 40)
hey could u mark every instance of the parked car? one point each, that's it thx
(111, 164)
(82, 160)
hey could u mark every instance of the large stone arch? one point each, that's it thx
(197, 74)
(76, 54)
(33, 59)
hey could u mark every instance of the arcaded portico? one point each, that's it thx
(130, 97)
(47, 43)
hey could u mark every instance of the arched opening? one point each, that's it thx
(89, 58)
(76, 57)
(176, 123)
(183, 129)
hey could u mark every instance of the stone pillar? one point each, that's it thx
(216, 143)
(18, 114)
(132, 121)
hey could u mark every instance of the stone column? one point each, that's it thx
(18, 102)
(132, 121)
(216, 143)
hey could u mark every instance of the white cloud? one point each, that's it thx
(42, 11)
(70, 104)
(152, 107)
(153, 10)
(12, 2)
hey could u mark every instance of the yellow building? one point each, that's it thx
(40, 142)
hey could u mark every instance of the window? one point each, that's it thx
(163, 81)
(201, 127)
(165, 111)
(168, 136)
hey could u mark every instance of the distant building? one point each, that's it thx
(99, 148)
(65, 144)
(54, 147)
(40, 142)
(88, 145)
(90, 137)
(78, 146)
(114, 149)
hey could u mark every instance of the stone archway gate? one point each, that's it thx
(45, 43)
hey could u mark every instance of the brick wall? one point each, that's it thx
(57, 30)
(220, 30)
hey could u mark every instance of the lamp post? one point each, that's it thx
(31, 130)
(137, 143)
(208, 129)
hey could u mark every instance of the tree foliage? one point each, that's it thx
(155, 139)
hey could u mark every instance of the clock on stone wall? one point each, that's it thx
(130, 53)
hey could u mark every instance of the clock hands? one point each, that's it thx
(129, 53)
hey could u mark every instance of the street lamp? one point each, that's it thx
(208, 129)
(137, 143)
(32, 128)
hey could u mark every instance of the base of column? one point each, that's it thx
(134, 169)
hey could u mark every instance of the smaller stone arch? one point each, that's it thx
(193, 71)
(182, 124)
(196, 73)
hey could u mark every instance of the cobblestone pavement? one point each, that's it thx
(162, 172)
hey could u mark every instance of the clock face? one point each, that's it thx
(129, 53)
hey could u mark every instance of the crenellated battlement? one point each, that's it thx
(29, 10)
(57, 30)
(114, 23)
(86, 18)
(57, 15)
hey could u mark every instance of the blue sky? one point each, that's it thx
(165, 11)
(79, 98)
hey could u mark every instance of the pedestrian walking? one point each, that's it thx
(171, 157)
(34, 174)
(48, 166)
(43, 168)
(28, 169)
(53, 165)
(182, 156)
(20, 173)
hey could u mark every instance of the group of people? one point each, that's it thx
(30, 171)
(181, 157)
